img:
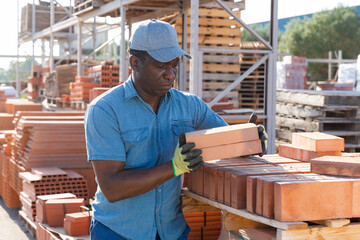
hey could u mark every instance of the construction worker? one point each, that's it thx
(135, 142)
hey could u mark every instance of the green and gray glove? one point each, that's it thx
(184, 159)
(263, 138)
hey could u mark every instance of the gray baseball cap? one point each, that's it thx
(159, 39)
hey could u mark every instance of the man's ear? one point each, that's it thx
(134, 63)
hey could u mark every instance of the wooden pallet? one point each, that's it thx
(29, 224)
(234, 220)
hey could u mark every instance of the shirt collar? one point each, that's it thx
(131, 92)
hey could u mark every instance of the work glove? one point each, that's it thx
(263, 138)
(184, 159)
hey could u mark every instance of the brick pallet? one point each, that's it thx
(79, 90)
(332, 112)
(47, 181)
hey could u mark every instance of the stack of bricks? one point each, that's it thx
(52, 139)
(308, 145)
(2, 101)
(95, 92)
(106, 74)
(57, 208)
(224, 180)
(225, 142)
(284, 188)
(77, 224)
(8, 194)
(47, 181)
(294, 73)
(35, 83)
(204, 225)
(79, 90)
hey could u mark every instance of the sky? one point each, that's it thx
(255, 11)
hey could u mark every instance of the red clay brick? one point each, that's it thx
(223, 135)
(318, 142)
(302, 154)
(333, 165)
(306, 201)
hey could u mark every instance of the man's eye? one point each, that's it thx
(161, 66)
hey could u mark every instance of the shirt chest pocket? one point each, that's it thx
(136, 148)
(136, 136)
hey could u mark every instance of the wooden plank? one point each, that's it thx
(209, 30)
(224, 41)
(349, 232)
(230, 221)
(333, 222)
(248, 215)
(190, 205)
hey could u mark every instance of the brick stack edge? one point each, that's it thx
(285, 188)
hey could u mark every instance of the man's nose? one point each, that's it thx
(170, 73)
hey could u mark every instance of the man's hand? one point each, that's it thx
(185, 160)
(263, 138)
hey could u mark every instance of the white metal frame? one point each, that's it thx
(270, 54)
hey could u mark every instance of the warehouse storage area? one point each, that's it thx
(305, 186)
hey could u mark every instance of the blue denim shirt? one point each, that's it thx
(120, 126)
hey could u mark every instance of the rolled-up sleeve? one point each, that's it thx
(103, 139)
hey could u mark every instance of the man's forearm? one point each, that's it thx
(124, 184)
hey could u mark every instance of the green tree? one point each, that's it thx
(25, 69)
(338, 29)
(262, 30)
(3, 76)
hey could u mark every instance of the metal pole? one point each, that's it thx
(329, 65)
(195, 81)
(271, 79)
(32, 33)
(52, 22)
(183, 65)
(18, 84)
(94, 37)
(123, 66)
(79, 52)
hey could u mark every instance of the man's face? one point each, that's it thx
(156, 78)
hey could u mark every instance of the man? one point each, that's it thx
(136, 144)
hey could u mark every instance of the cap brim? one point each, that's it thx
(167, 54)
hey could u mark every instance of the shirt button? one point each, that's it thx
(159, 190)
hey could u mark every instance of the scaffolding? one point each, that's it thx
(133, 11)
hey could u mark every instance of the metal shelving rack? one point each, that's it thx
(132, 11)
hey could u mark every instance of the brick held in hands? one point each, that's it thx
(337, 165)
(318, 142)
(231, 150)
(57, 208)
(223, 135)
(302, 154)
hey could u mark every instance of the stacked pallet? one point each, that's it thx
(216, 29)
(332, 112)
(252, 88)
(79, 90)
(42, 17)
(47, 181)
(106, 74)
(225, 142)
(204, 225)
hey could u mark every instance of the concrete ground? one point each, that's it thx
(11, 228)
